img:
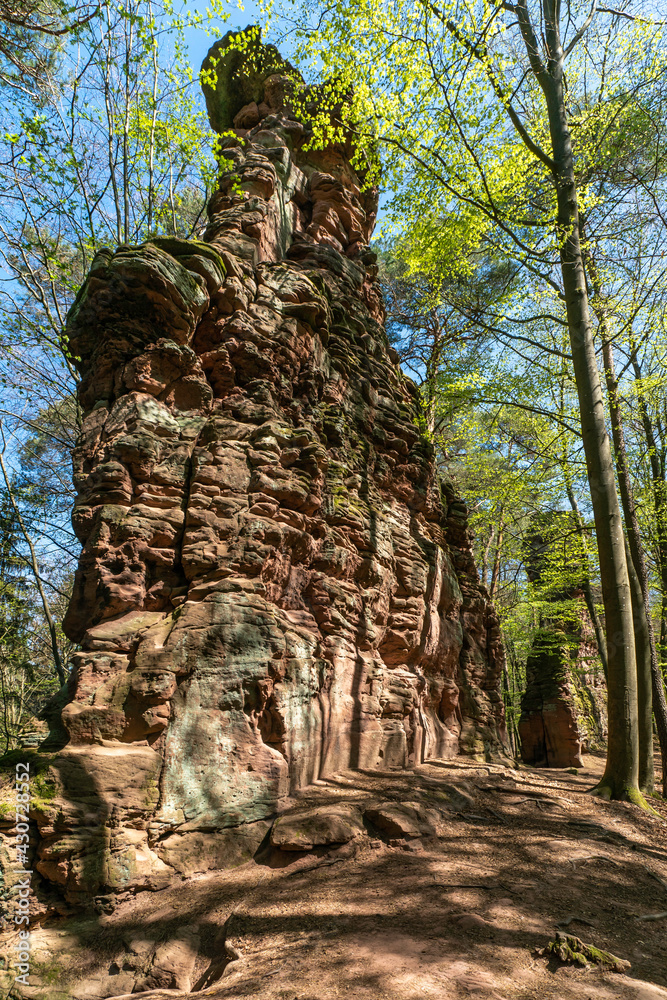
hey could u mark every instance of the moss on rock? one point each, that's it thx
(570, 949)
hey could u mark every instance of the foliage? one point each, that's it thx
(31, 36)
(27, 677)
(506, 429)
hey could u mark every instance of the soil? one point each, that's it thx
(521, 854)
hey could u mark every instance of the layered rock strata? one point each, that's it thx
(563, 710)
(274, 582)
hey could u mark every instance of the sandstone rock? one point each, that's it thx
(563, 709)
(274, 584)
(241, 76)
(140, 945)
(472, 922)
(173, 963)
(94, 834)
(200, 851)
(456, 797)
(404, 819)
(305, 829)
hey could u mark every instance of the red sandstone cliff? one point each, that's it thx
(274, 582)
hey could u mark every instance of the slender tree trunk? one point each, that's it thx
(495, 573)
(620, 780)
(648, 669)
(509, 707)
(432, 368)
(644, 679)
(485, 556)
(656, 457)
(510, 680)
(621, 776)
(651, 689)
(154, 110)
(111, 124)
(657, 654)
(129, 40)
(586, 584)
(5, 711)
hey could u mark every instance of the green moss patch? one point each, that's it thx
(43, 787)
(572, 950)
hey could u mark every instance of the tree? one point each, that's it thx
(435, 322)
(27, 674)
(30, 35)
(117, 148)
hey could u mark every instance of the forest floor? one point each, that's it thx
(458, 915)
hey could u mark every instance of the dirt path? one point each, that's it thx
(457, 915)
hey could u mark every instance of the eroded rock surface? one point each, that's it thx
(274, 582)
(563, 710)
(314, 827)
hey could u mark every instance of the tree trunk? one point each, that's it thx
(657, 656)
(34, 565)
(650, 686)
(647, 658)
(432, 367)
(510, 701)
(621, 776)
(644, 691)
(586, 584)
(495, 573)
(485, 556)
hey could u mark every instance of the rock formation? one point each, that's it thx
(274, 582)
(563, 709)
